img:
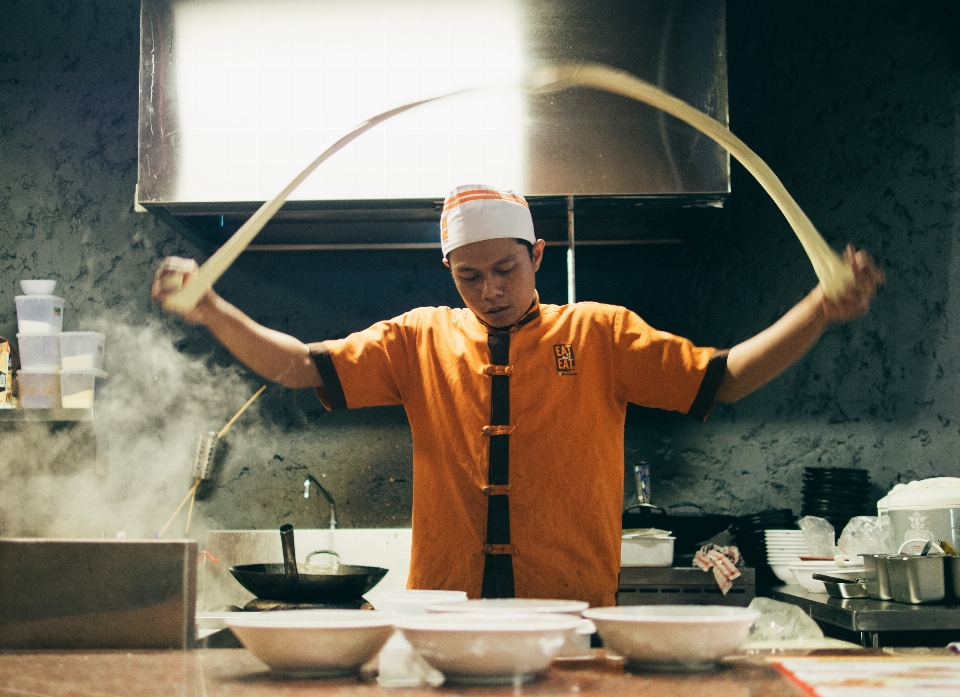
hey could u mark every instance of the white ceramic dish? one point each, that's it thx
(577, 645)
(489, 649)
(513, 606)
(314, 643)
(782, 571)
(676, 638)
(414, 602)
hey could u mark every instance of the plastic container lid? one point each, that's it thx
(925, 494)
(82, 371)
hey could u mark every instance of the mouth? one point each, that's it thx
(497, 311)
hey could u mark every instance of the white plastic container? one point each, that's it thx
(78, 388)
(41, 351)
(922, 511)
(39, 388)
(82, 350)
(39, 314)
(647, 551)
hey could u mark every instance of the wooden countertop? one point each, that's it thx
(237, 673)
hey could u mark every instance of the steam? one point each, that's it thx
(148, 416)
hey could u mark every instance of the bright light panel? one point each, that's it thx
(264, 87)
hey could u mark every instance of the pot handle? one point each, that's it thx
(931, 543)
(289, 557)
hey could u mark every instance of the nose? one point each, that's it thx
(492, 287)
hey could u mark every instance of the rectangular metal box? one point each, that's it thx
(87, 594)
(682, 586)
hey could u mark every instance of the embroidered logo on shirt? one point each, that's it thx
(566, 365)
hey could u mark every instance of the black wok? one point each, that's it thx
(269, 582)
(294, 583)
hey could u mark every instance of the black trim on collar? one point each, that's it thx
(532, 313)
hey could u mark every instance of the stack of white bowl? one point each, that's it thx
(784, 549)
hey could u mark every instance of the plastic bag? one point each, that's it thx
(782, 623)
(866, 535)
(819, 535)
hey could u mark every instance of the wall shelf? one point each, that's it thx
(37, 415)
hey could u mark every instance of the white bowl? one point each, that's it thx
(38, 287)
(488, 649)
(673, 637)
(512, 606)
(413, 602)
(577, 645)
(314, 643)
(803, 572)
(782, 571)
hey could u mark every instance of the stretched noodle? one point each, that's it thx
(833, 272)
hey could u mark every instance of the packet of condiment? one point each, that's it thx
(6, 374)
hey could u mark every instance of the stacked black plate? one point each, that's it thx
(747, 532)
(837, 494)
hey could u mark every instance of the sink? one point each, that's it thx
(388, 548)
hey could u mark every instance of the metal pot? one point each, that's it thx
(297, 583)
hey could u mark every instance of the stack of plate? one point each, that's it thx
(748, 536)
(835, 493)
(784, 548)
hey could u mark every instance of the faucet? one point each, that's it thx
(324, 493)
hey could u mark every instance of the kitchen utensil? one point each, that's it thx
(313, 643)
(672, 637)
(577, 645)
(928, 509)
(489, 649)
(842, 587)
(275, 581)
(647, 550)
(291, 576)
(804, 572)
(846, 590)
(916, 579)
(876, 578)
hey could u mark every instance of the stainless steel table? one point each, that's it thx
(874, 620)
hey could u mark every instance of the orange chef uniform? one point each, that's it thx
(568, 372)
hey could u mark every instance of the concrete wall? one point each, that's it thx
(853, 104)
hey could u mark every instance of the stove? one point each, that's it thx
(265, 605)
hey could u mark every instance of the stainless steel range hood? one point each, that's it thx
(237, 96)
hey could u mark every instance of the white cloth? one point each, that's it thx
(476, 212)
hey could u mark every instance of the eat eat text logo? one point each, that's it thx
(566, 364)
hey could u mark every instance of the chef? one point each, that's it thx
(517, 408)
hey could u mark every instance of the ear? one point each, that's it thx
(538, 248)
(446, 263)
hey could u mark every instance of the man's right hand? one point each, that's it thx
(173, 273)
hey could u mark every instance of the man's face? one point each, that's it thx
(496, 278)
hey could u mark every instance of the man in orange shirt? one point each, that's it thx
(517, 409)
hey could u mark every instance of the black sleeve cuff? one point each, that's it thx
(707, 395)
(331, 381)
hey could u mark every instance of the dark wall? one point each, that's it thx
(854, 105)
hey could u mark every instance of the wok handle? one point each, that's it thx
(289, 557)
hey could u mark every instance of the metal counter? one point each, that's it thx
(872, 619)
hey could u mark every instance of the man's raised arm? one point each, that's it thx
(276, 356)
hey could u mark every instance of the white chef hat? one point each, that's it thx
(476, 212)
